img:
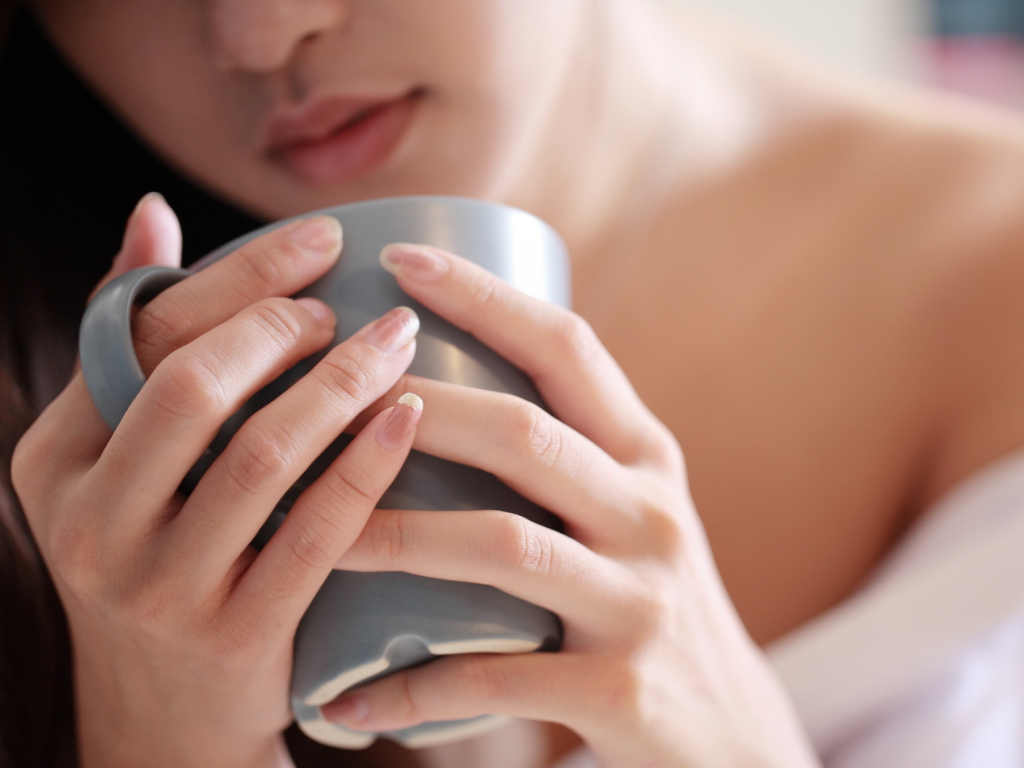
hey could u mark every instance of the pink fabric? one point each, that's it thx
(987, 68)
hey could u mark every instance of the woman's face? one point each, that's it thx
(285, 106)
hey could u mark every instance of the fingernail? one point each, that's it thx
(394, 330)
(348, 709)
(320, 235)
(144, 200)
(134, 217)
(416, 262)
(400, 424)
(320, 311)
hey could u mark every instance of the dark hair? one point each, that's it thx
(70, 174)
(7, 9)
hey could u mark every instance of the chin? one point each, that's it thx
(279, 198)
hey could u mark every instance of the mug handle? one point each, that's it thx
(111, 369)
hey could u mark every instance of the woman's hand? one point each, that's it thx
(182, 633)
(656, 669)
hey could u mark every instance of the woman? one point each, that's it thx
(776, 261)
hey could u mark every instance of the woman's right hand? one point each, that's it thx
(182, 632)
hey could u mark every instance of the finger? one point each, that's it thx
(592, 594)
(61, 445)
(71, 428)
(599, 499)
(152, 237)
(275, 446)
(555, 347)
(565, 688)
(327, 518)
(193, 391)
(279, 263)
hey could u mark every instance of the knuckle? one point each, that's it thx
(524, 547)
(260, 457)
(185, 385)
(486, 679)
(663, 521)
(144, 605)
(576, 339)
(482, 289)
(25, 462)
(648, 608)
(159, 328)
(313, 542)
(72, 556)
(355, 486)
(228, 651)
(78, 559)
(130, 588)
(536, 433)
(277, 319)
(407, 382)
(622, 686)
(664, 449)
(387, 537)
(260, 263)
(346, 376)
(406, 707)
(239, 633)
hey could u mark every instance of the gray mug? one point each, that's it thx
(362, 626)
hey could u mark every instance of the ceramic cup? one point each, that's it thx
(362, 626)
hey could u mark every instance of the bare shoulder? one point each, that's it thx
(967, 260)
(899, 225)
(832, 323)
(835, 323)
(914, 212)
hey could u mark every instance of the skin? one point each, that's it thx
(812, 287)
(182, 633)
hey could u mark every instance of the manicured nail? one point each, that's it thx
(394, 330)
(400, 424)
(416, 262)
(144, 201)
(320, 311)
(133, 222)
(320, 235)
(352, 709)
(134, 217)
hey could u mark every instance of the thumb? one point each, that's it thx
(152, 237)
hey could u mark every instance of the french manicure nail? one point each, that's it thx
(400, 424)
(144, 201)
(416, 262)
(320, 311)
(348, 709)
(320, 235)
(394, 330)
(133, 219)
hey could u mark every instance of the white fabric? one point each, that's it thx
(923, 667)
(581, 758)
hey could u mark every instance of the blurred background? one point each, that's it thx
(973, 47)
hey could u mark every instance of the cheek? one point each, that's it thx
(500, 71)
(493, 69)
(149, 60)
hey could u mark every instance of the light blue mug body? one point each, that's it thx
(362, 626)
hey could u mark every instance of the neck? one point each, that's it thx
(641, 113)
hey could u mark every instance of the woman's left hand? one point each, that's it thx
(656, 668)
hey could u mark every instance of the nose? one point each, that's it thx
(261, 36)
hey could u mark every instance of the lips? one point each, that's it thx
(336, 139)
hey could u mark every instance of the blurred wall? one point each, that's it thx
(867, 37)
